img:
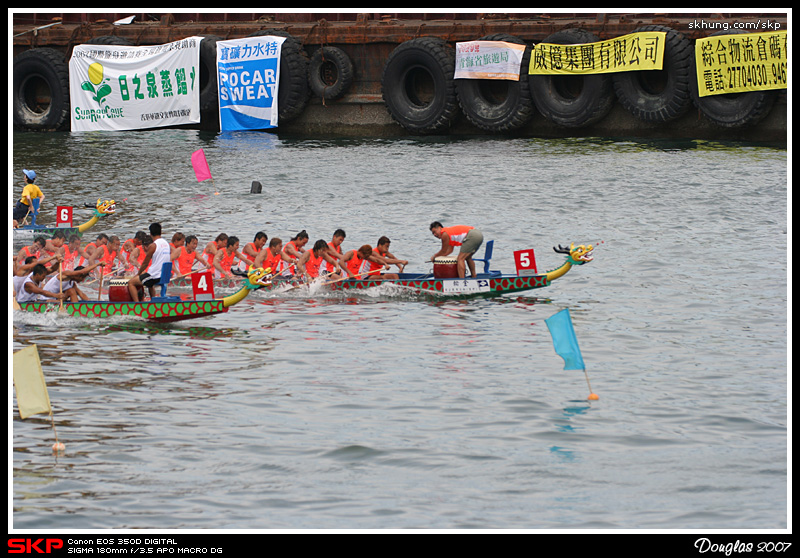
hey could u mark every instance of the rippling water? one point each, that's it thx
(384, 410)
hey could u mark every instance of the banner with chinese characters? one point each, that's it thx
(488, 60)
(636, 51)
(741, 62)
(116, 87)
(248, 75)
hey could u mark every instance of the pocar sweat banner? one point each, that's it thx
(248, 74)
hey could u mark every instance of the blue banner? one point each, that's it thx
(248, 75)
(564, 340)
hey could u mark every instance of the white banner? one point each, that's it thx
(115, 87)
(248, 73)
(488, 60)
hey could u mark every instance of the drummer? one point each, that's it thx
(468, 238)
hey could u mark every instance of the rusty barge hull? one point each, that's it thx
(368, 41)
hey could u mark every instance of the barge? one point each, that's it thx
(340, 71)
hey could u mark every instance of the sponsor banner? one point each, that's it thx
(248, 76)
(115, 87)
(741, 62)
(488, 60)
(636, 51)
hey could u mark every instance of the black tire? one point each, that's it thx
(659, 95)
(418, 86)
(733, 110)
(572, 101)
(498, 105)
(40, 95)
(330, 73)
(293, 90)
(209, 91)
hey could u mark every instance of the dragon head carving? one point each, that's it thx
(107, 207)
(258, 277)
(576, 255)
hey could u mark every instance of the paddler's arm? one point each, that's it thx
(147, 257)
(446, 248)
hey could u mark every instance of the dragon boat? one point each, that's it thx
(158, 309)
(488, 283)
(27, 233)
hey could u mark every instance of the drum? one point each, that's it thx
(445, 267)
(118, 291)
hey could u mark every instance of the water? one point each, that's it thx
(383, 410)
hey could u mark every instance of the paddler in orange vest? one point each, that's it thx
(468, 238)
(88, 250)
(187, 255)
(366, 264)
(296, 246)
(210, 251)
(251, 250)
(311, 263)
(127, 249)
(275, 259)
(382, 250)
(223, 261)
(71, 252)
(35, 249)
(107, 253)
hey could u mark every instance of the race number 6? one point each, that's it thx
(63, 216)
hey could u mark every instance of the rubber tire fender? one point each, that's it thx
(327, 62)
(659, 95)
(572, 101)
(41, 75)
(293, 90)
(207, 75)
(498, 105)
(418, 86)
(733, 110)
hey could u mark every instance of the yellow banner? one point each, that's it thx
(636, 51)
(740, 63)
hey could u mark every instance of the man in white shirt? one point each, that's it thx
(149, 274)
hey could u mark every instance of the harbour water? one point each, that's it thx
(384, 410)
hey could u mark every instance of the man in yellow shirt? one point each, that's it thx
(29, 193)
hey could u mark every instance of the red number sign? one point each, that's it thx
(526, 262)
(63, 216)
(203, 285)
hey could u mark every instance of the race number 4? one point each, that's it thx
(203, 286)
(525, 261)
(63, 216)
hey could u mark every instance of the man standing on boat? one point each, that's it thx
(149, 274)
(29, 193)
(469, 238)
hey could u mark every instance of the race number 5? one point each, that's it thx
(525, 261)
(63, 216)
(203, 285)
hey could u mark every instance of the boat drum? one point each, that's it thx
(445, 267)
(118, 291)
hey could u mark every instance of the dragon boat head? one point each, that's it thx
(107, 207)
(258, 277)
(577, 255)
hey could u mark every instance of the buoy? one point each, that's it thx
(593, 397)
(59, 447)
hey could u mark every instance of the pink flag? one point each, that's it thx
(200, 165)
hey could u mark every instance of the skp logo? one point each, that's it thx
(31, 546)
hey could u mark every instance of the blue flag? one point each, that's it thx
(564, 340)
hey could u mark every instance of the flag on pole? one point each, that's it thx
(564, 340)
(200, 165)
(32, 398)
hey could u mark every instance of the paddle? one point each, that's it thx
(358, 275)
